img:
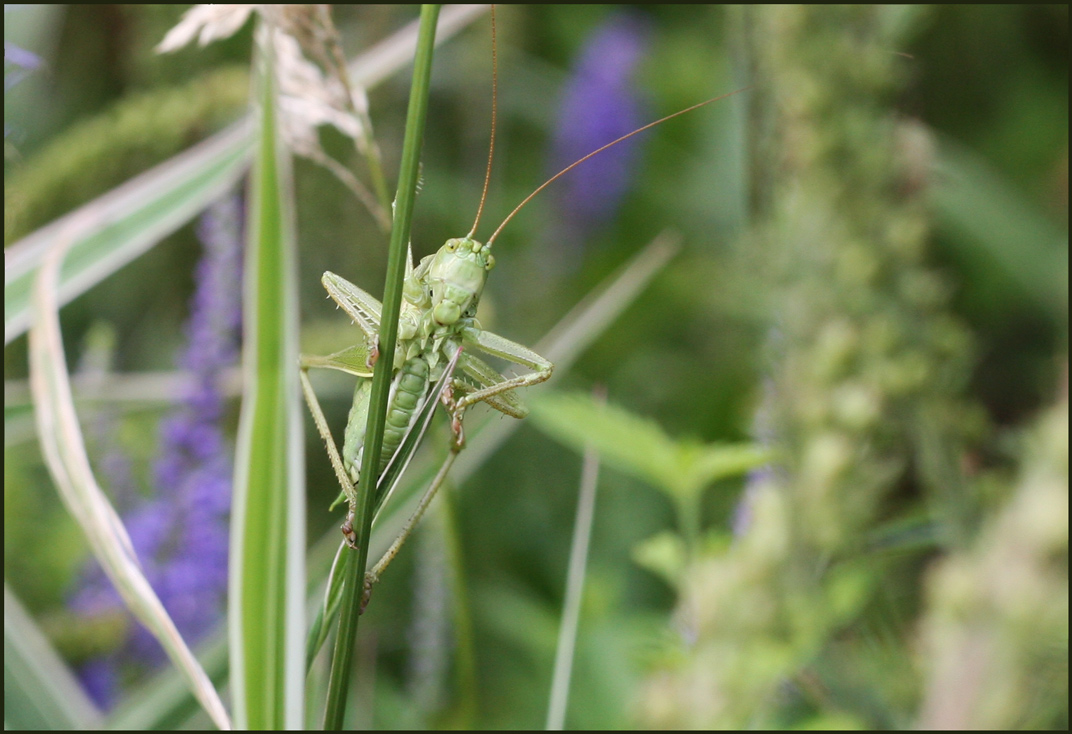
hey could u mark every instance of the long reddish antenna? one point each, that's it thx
(494, 105)
(595, 152)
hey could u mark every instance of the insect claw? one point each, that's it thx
(366, 592)
(459, 432)
(347, 529)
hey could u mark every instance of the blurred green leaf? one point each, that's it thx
(664, 554)
(39, 690)
(628, 442)
(708, 463)
(989, 218)
(638, 446)
(110, 231)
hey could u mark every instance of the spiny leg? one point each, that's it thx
(373, 576)
(322, 428)
(456, 412)
(478, 374)
(512, 352)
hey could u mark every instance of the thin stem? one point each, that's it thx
(689, 511)
(366, 142)
(465, 657)
(571, 612)
(342, 657)
(415, 518)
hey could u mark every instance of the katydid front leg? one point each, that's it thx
(348, 487)
(513, 352)
(483, 375)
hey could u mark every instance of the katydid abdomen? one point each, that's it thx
(408, 390)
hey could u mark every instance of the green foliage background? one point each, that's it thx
(988, 90)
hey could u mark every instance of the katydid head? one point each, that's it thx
(456, 277)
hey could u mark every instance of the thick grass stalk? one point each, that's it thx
(392, 299)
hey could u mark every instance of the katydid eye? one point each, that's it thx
(490, 263)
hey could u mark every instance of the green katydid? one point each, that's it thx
(438, 318)
(438, 332)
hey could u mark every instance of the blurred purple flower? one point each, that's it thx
(600, 104)
(180, 535)
(18, 63)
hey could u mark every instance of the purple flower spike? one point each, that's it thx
(180, 535)
(599, 105)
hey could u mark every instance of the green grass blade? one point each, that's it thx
(571, 606)
(164, 702)
(65, 454)
(112, 230)
(39, 690)
(392, 298)
(267, 584)
(989, 218)
(327, 609)
(576, 331)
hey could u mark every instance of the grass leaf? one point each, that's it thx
(64, 449)
(267, 584)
